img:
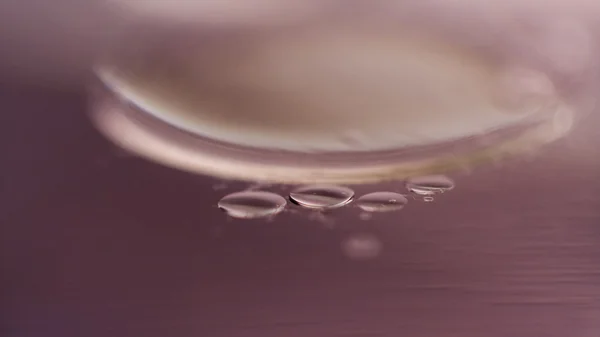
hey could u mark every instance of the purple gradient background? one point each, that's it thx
(94, 244)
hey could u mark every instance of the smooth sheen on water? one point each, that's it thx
(252, 204)
(429, 185)
(322, 196)
(381, 202)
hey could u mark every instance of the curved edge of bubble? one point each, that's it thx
(138, 139)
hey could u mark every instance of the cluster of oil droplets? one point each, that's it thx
(252, 204)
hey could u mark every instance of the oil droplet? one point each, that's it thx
(429, 185)
(362, 247)
(382, 202)
(321, 196)
(428, 199)
(252, 204)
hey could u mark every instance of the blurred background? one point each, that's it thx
(95, 242)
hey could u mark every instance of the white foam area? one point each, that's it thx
(335, 91)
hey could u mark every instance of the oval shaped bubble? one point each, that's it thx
(252, 204)
(382, 202)
(322, 196)
(429, 185)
